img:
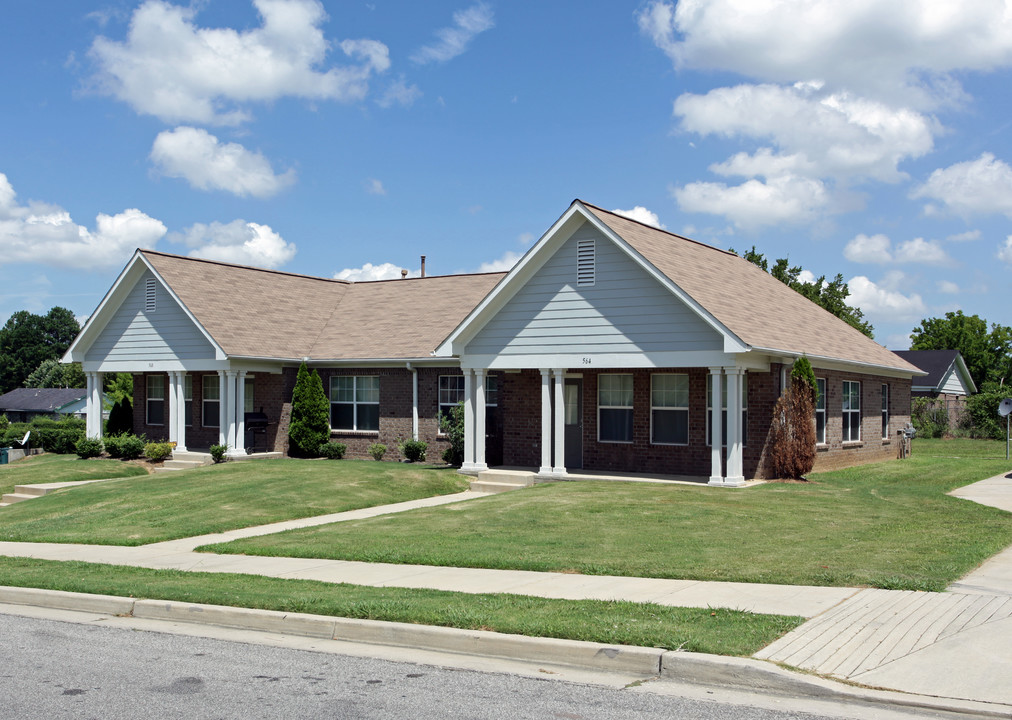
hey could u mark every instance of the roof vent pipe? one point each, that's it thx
(404, 274)
(423, 266)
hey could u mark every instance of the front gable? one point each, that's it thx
(589, 301)
(140, 325)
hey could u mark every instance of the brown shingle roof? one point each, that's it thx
(759, 309)
(252, 312)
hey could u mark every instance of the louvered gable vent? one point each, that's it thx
(149, 295)
(585, 262)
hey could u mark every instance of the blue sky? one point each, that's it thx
(349, 138)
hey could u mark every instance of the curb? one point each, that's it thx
(687, 667)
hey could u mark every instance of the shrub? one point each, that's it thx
(113, 445)
(333, 450)
(88, 448)
(377, 450)
(309, 427)
(453, 427)
(930, 417)
(414, 450)
(981, 419)
(218, 453)
(792, 432)
(157, 451)
(121, 418)
(131, 447)
(4, 423)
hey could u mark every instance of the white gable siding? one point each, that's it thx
(952, 384)
(624, 311)
(136, 334)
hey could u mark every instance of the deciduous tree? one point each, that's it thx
(985, 351)
(26, 340)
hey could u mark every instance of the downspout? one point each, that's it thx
(414, 401)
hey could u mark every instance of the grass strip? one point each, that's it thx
(136, 511)
(49, 468)
(888, 525)
(716, 631)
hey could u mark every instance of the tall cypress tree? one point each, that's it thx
(309, 427)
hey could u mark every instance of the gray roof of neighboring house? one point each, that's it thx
(937, 364)
(43, 400)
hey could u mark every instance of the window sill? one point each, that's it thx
(853, 443)
(615, 442)
(354, 433)
(659, 444)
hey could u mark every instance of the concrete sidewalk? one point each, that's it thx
(956, 644)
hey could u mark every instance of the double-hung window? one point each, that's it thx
(885, 412)
(354, 402)
(723, 410)
(615, 408)
(669, 409)
(451, 392)
(188, 399)
(210, 409)
(491, 403)
(156, 400)
(820, 412)
(247, 394)
(851, 411)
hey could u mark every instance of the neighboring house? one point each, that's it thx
(23, 404)
(947, 380)
(611, 345)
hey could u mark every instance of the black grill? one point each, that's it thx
(256, 426)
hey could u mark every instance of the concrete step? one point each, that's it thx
(32, 490)
(175, 464)
(11, 498)
(498, 481)
(486, 486)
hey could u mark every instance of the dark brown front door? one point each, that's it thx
(573, 399)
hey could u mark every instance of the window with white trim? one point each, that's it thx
(820, 412)
(885, 411)
(354, 402)
(615, 408)
(851, 411)
(723, 413)
(188, 400)
(156, 400)
(491, 402)
(669, 409)
(210, 409)
(247, 400)
(451, 393)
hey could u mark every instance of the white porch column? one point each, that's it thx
(90, 428)
(230, 426)
(222, 408)
(546, 423)
(468, 464)
(180, 422)
(240, 413)
(735, 476)
(716, 439)
(479, 420)
(172, 421)
(560, 422)
(414, 401)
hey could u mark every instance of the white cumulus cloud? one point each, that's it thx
(369, 272)
(179, 72)
(1005, 251)
(44, 233)
(239, 242)
(453, 41)
(905, 48)
(641, 214)
(878, 249)
(504, 263)
(948, 287)
(975, 187)
(375, 187)
(754, 203)
(399, 93)
(883, 300)
(207, 163)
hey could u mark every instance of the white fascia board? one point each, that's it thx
(964, 371)
(593, 361)
(505, 289)
(448, 361)
(133, 366)
(830, 363)
(732, 343)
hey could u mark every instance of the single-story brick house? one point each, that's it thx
(611, 345)
(23, 404)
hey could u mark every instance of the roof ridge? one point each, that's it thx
(242, 267)
(427, 277)
(657, 229)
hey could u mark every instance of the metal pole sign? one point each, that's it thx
(1005, 409)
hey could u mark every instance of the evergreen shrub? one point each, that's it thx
(309, 427)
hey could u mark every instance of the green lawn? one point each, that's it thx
(887, 525)
(49, 468)
(136, 511)
(723, 632)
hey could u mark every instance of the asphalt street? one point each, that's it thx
(55, 669)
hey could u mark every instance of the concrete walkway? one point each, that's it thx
(956, 644)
